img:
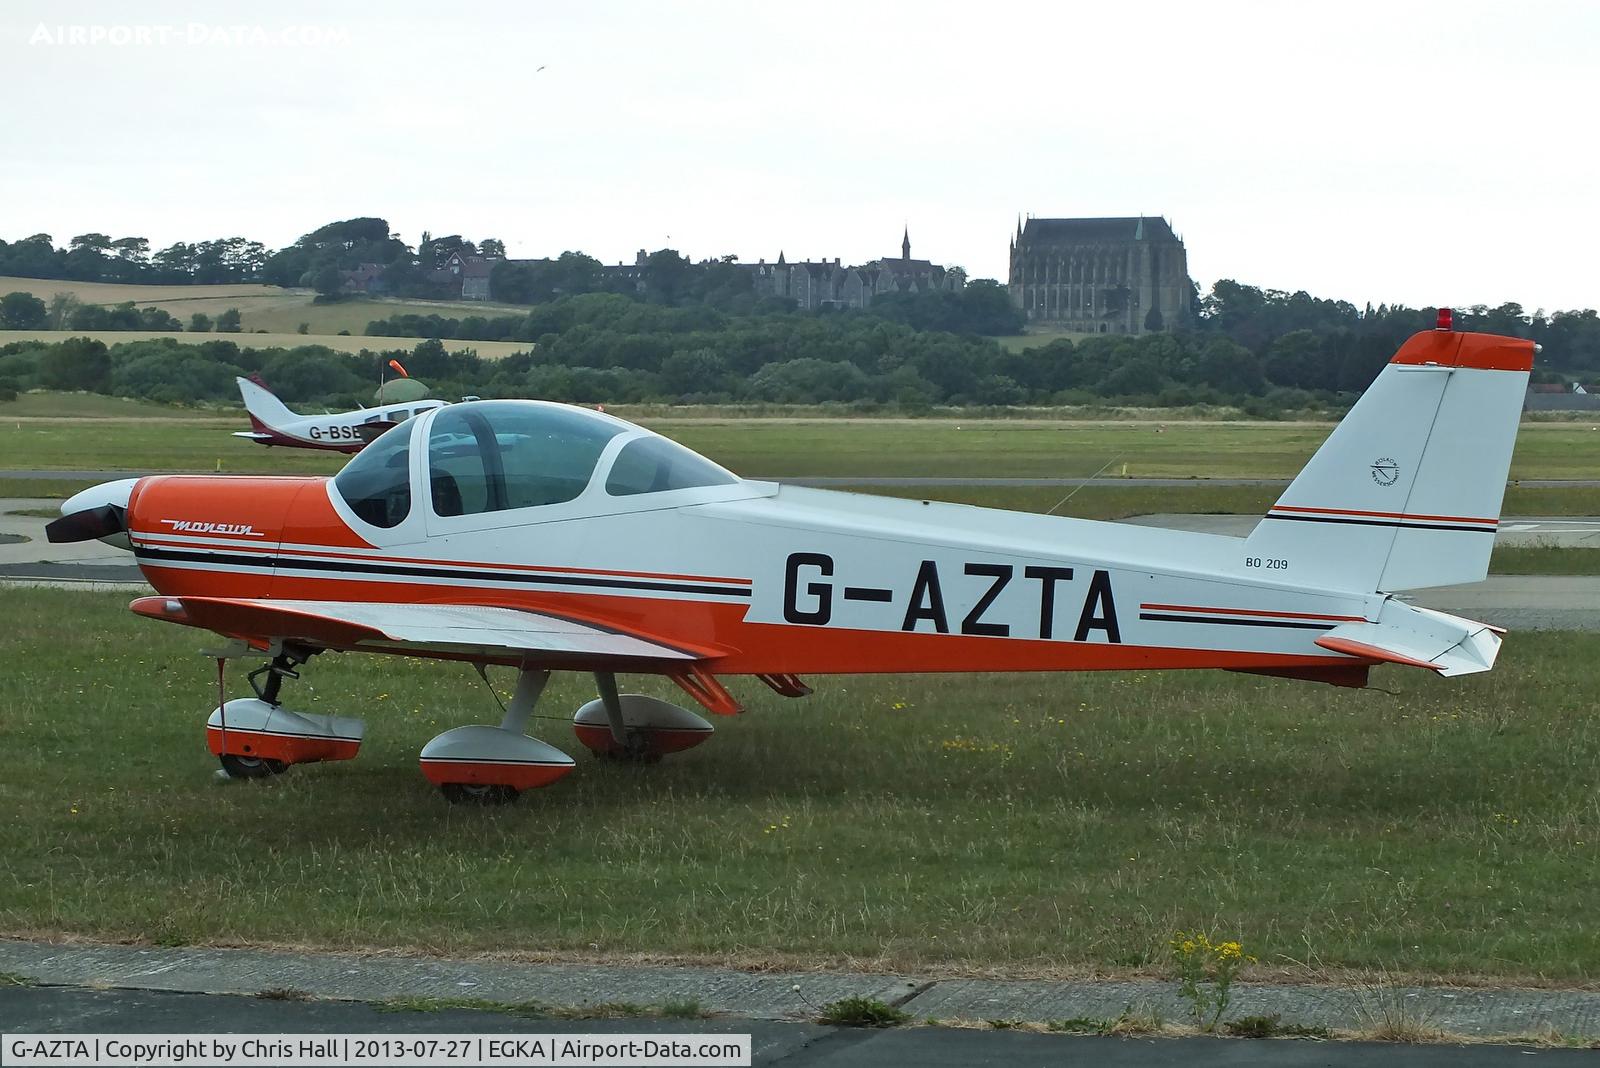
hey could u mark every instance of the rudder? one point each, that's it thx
(1406, 491)
(266, 410)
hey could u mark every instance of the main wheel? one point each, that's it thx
(627, 756)
(637, 750)
(472, 793)
(244, 767)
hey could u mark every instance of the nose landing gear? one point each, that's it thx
(257, 738)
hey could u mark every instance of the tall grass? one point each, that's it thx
(1017, 822)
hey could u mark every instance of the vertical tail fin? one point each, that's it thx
(1406, 491)
(266, 410)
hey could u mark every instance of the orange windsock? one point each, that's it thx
(401, 371)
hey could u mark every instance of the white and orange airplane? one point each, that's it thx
(272, 423)
(547, 538)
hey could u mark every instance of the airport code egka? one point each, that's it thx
(160, 1051)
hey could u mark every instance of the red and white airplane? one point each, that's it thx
(272, 423)
(552, 538)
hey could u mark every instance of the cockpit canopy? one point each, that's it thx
(492, 456)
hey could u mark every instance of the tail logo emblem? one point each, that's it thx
(1385, 472)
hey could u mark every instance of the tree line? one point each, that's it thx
(606, 348)
(24, 311)
(698, 332)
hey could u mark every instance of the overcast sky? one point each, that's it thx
(1420, 153)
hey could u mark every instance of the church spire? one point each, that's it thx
(905, 244)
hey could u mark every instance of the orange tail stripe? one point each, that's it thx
(1385, 515)
(1372, 652)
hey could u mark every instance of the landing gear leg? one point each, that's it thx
(606, 683)
(530, 685)
(630, 745)
(280, 667)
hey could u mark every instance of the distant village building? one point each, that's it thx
(367, 278)
(467, 276)
(1101, 276)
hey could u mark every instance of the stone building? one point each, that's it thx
(830, 284)
(1101, 276)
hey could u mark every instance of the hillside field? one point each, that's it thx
(270, 308)
(493, 350)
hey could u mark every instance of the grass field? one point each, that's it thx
(779, 447)
(270, 308)
(1020, 342)
(354, 342)
(78, 406)
(1024, 824)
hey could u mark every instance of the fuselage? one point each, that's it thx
(759, 577)
(334, 432)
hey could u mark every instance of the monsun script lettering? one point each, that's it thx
(193, 526)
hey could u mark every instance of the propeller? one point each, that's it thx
(98, 512)
(91, 523)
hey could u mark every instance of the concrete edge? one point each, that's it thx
(1474, 1013)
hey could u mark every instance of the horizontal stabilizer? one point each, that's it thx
(1418, 637)
(252, 435)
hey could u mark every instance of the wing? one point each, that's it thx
(459, 632)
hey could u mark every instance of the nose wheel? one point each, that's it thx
(245, 767)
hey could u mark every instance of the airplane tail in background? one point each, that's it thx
(1406, 491)
(266, 410)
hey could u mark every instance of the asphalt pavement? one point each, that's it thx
(792, 1044)
(771, 995)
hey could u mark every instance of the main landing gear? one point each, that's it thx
(257, 738)
(493, 765)
(487, 765)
